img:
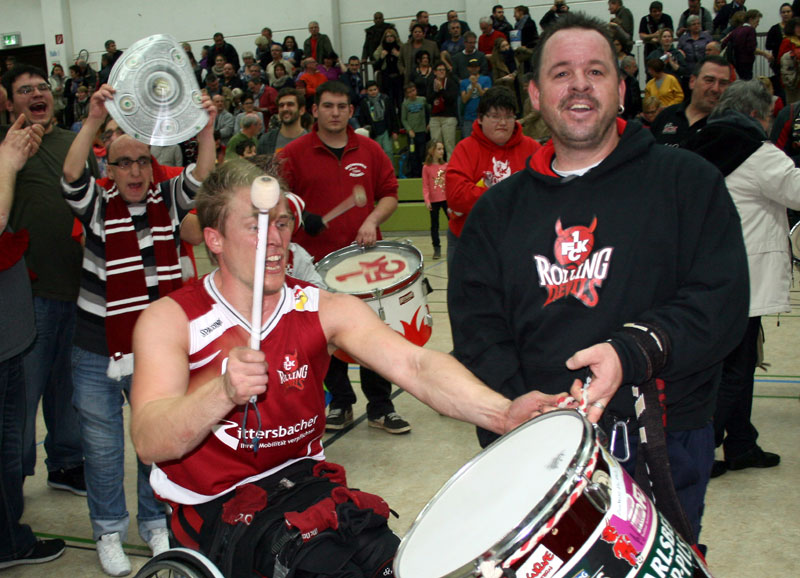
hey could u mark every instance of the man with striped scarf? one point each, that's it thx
(132, 231)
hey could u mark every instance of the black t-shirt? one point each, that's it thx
(671, 127)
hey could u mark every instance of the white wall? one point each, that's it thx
(92, 22)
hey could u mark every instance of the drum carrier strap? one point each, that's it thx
(652, 465)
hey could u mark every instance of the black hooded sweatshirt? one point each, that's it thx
(547, 266)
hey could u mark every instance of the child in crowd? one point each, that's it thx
(377, 112)
(414, 116)
(246, 149)
(433, 190)
(81, 107)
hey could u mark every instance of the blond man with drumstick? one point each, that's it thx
(328, 168)
(195, 375)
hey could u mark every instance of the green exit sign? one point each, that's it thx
(12, 39)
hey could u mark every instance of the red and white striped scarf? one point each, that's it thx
(126, 287)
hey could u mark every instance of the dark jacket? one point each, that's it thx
(660, 243)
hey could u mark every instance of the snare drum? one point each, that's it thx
(794, 241)
(545, 500)
(388, 277)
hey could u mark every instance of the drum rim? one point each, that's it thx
(795, 228)
(544, 510)
(357, 249)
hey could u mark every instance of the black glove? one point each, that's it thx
(313, 223)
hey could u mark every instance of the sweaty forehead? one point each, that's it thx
(127, 146)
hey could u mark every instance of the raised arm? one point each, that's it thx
(206, 148)
(81, 147)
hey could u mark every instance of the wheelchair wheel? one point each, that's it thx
(179, 563)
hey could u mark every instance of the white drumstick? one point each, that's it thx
(357, 199)
(264, 194)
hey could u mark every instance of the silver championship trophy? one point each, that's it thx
(157, 99)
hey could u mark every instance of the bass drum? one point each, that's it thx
(545, 500)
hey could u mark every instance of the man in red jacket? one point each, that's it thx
(495, 150)
(322, 167)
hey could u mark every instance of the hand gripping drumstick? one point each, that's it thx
(357, 199)
(264, 194)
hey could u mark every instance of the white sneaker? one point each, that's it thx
(159, 541)
(112, 557)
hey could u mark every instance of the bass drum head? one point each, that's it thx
(360, 271)
(498, 499)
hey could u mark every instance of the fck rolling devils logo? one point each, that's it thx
(578, 271)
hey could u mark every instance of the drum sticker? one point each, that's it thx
(540, 564)
(670, 556)
(417, 332)
(381, 269)
(403, 299)
(578, 270)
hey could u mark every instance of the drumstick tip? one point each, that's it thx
(265, 193)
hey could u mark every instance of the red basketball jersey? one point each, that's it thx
(292, 410)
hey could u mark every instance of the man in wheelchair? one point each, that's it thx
(235, 434)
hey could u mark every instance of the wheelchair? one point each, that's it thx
(179, 563)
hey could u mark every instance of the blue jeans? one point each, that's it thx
(48, 377)
(15, 538)
(99, 400)
(691, 455)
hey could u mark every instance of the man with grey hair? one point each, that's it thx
(763, 183)
(250, 128)
(488, 36)
(461, 59)
(633, 93)
(317, 46)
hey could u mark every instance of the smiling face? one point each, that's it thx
(666, 40)
(709, 84)
(36, 105)
(579, 90)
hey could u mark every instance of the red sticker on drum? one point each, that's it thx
(540, 564)
(403, 299)
(381, 269)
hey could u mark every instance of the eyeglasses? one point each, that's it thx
(126, 163)
(494, 117)
(26, 89)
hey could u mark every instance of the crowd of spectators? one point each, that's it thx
(450, 64)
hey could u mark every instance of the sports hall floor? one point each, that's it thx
(752, 520)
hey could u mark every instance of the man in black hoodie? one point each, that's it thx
(596, 257)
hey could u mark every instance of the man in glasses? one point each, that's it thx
(54, 260)
(495, 150)
(131, 258)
